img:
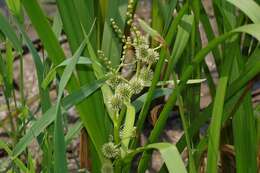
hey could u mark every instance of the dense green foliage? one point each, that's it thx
(166, 59)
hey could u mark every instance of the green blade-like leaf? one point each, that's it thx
(44, 95)
(171, 82)
(128, 126)
(73, 131)
(9, 63)
(47, 118)
(52, 73)
(173, 27)
(60, 159)
(180, 43)
(170, 156)
(251, 29)
(82, 61)
(4, 74)
(215, 126)
(153, 33)
(69, 69)
(43, 28)
(249, 7)
(17, 161)
(59, 139)
(168, 17)
(14, 6)
(57, 25)
(8, 31)
(244, 129)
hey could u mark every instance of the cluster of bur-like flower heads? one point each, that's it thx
(137, 59)
(140, 56)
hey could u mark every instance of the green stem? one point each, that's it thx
(192, 166)
(13, 131)
(116, 129)
(22, 82)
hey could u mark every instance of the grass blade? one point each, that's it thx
(168, 152)
(47, 118)
(244, 129)
(17, 161)
(249, 7)
(8, 31)
(180, 43)
(44, 95)
(43, 28)
(59, 139)
(215, 126)
(73, 131)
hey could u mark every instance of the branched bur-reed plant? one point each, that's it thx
(116, 72)
(137, 58)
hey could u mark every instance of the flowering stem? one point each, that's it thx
(137, 68)
(116, 133)
(116, 129)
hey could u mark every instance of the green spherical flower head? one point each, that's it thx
(114, 81)
(115, 102)
(152, 56)
(110, 150)
(136, 85)
(146, 74)
(123, 90)
(141, 51)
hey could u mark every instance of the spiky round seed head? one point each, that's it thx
(115, 102)
(136, 85)
(152, 56)
(146, 74)
(114, 81)
(123, 90)
(110, 150)
(141, 51)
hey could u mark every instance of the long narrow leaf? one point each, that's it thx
(215, 126)
(47, 118)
